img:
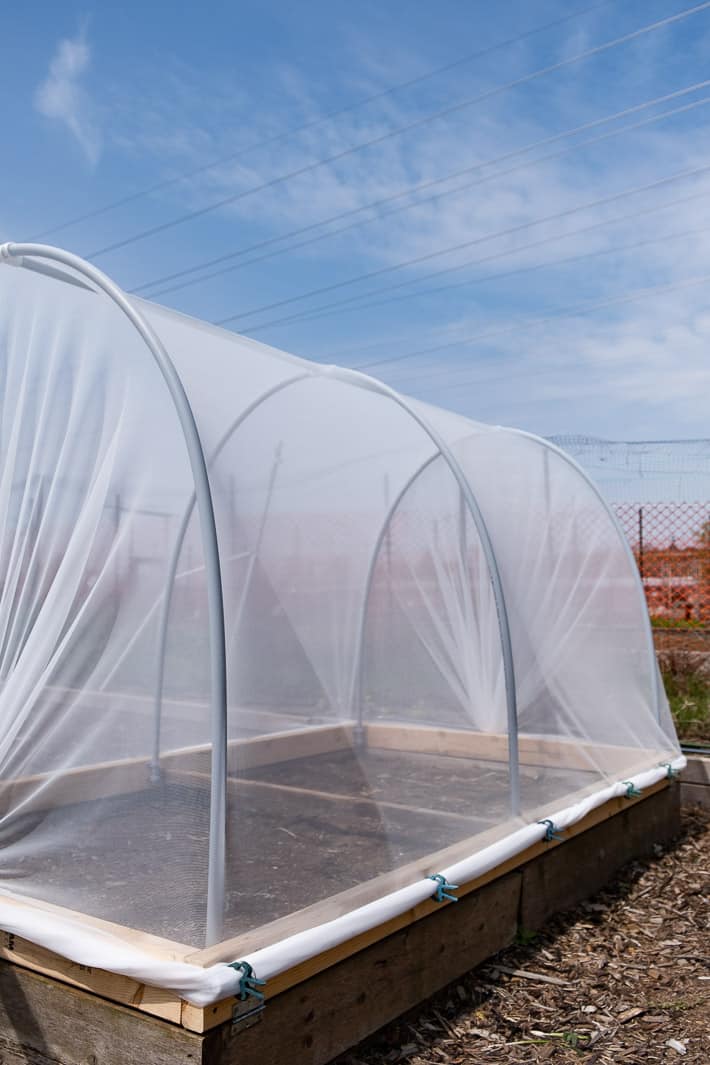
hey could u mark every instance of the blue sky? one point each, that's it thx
(535, 321)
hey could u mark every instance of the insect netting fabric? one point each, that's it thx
(359, 609)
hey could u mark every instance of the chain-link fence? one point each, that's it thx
(671, 542)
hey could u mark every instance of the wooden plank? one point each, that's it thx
(45, 791)
(155, 1001)
(245, 784)
(258, 751)
(288, 746)
(695, 781)
(152, 1000)
(230, 950)
(43, 1022)
(486, 746)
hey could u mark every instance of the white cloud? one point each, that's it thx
(62, 96)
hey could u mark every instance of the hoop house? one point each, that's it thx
(278, 645)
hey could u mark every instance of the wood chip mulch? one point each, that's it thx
(624, 977)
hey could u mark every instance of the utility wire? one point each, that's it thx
(583, 256)
(416, 124)
(520, 227)
(702, 195)
(526, 323)
(352, 302)
(312, 123)
(542, 142)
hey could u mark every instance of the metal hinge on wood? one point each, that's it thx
(246, 1014)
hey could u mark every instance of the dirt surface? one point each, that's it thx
(623, 978)
(141, 859)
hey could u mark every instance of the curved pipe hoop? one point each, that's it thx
(625, 546)
(175, 559)
(361, 380)
(203, 494)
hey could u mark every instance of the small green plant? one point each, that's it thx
(573, 1039)
(677, 1006)
(524, 937)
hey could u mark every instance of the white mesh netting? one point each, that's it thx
(362, 629)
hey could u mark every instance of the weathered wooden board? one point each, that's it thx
(565, 877)
(152, 1000)
(286, 746)
(43, 1022)
(47, 790)
(264, 750)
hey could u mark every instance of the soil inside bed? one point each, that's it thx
(140, 859)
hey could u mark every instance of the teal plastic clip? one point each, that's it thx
(248, 984)
(443, 889)
(671, 773)
(551, 831)
(632, 792)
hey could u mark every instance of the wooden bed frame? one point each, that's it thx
(191, 766)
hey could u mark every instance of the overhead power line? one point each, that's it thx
(398, 131)
(353, 302)
(411, 190)
(568, 260)
(527, 323)
(312, 123)
(509, 231)
(702, 195)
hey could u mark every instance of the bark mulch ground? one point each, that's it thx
(624, 977)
